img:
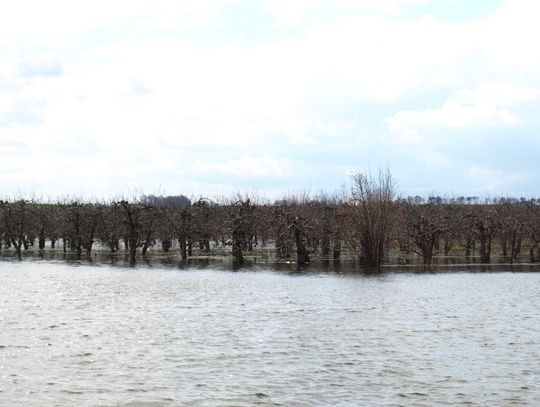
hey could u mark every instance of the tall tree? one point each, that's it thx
(368, 208)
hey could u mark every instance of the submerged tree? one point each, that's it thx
(282, 218)
(531, 225)
(300, 229)
(365, 221)
(132, 214)
(422, 225)
(368, 209)
(484, 223)
(15, 223)
(240, 225)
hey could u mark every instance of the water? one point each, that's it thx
(110, 336)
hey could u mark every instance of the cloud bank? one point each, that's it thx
(216, 96)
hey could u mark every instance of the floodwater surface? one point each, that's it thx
(111, 336)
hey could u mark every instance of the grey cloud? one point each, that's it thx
(43, 67)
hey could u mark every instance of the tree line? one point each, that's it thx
(365, 221)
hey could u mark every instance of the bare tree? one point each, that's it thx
(422, 225)
(240, 224)
(368, 209)
(531, 225)
(484, 223)
(176, 221)
(132, 214)
(16, 223)
(282, 218)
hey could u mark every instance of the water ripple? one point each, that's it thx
(102, 337)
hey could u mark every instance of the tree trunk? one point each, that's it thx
(166, 245)
(238, 258)
(325, 244)
(504, 246)
(485, 249)
(183, 246)
(469, 247)
(302, 255)
(336, 250)
(532, 252)
(41, 239)
(447, 246)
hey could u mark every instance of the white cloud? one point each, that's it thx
(40, 67)
(488, 104)
(139, 94)
(20, 113)
(246, 166)
(385, 6)
(496, 181)
(496, 94)
(288, 12)
(507, 38)
(65, 22)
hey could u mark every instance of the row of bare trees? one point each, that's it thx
(366, 221)
(506, 226)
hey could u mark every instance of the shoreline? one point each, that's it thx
(347, 264)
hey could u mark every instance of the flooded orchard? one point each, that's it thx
(112, 336)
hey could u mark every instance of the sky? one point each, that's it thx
(209, 97)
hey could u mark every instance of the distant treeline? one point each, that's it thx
(365, 221)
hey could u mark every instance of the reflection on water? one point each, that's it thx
(96, 335)
(346, 264)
